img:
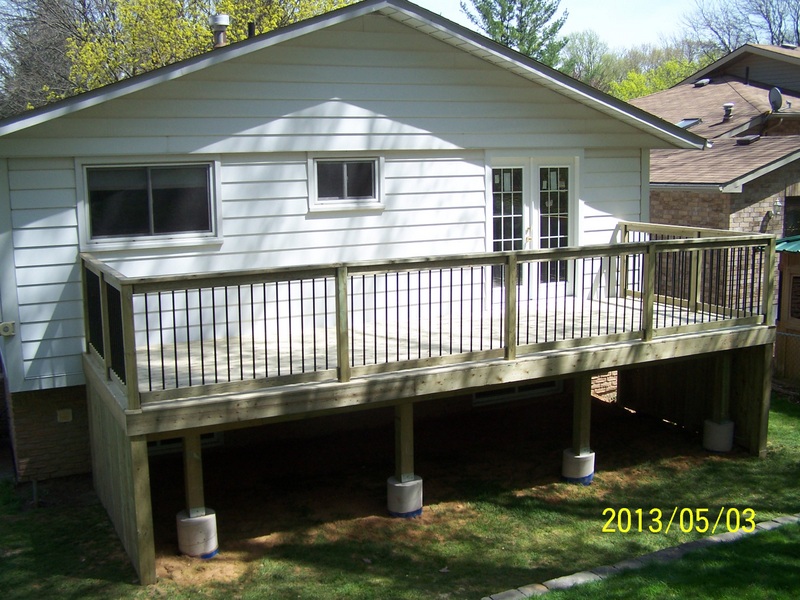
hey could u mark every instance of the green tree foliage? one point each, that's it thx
(136, 36)
(56, 48)
(587, 58)
(133, 37)
(527, 26)
(638, 84)
(636, 71)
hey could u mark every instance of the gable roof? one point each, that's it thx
(687, 100)
(404, 12)
(725, 166)
(788, 55)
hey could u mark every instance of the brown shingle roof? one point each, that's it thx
(725, 164)
(751, 104)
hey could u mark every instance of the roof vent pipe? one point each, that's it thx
(219, 25)
(251, 29)
(728, 108)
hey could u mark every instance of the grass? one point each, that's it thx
(763, 566)
(484, 530)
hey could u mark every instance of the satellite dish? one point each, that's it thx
(775, 99)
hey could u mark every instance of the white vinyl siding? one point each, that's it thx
(45, 240)
(611, 191)
(363, 86)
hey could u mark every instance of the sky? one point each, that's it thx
(619, 23)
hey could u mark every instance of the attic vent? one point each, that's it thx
(701, 82)
(746, 140)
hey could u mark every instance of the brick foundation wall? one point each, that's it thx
(50, 433)
(604, 385)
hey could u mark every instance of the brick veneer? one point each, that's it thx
(745, 211)
(690, 208)
(43, 446)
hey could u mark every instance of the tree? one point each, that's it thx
(33, 63)
(56, 48)
(662, 77)
(635, 71)
(587, 58)
(729, 24)
(524, 25)
(136, 36)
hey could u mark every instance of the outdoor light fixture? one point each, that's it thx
(777, 206)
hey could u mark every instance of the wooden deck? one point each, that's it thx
(166, 343)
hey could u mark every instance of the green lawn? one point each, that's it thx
(763, 566)
(478, 535)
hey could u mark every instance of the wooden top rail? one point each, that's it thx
(689, 232)
(244, 277)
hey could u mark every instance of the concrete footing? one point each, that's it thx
(577, 468)
(718, 435)
(197, 536)
(404, 497)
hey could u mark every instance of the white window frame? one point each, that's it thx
(317, 205)
(87, 243)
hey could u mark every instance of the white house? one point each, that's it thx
(378, 132)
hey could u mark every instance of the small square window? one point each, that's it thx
(344, 184)
(149, 201)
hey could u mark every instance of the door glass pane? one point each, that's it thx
(554, 211)
(507, 205)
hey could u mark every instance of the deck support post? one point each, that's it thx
(578, 461)
(718, 430)
(197, 525)
(404, 488)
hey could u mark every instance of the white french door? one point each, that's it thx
(532, 212)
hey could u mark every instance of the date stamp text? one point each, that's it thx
(701, 520)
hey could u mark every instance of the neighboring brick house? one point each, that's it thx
(748, 177)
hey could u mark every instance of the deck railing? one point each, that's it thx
(169, 337)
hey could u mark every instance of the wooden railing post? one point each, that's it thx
(623, 263)
(106, 326)
(694, 278)
(648, 292)
(129, 348)
(342, 326)
(769, 282)
(511, 307)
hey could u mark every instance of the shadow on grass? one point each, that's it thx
(62, 549)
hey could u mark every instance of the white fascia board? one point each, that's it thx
(685, 187)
